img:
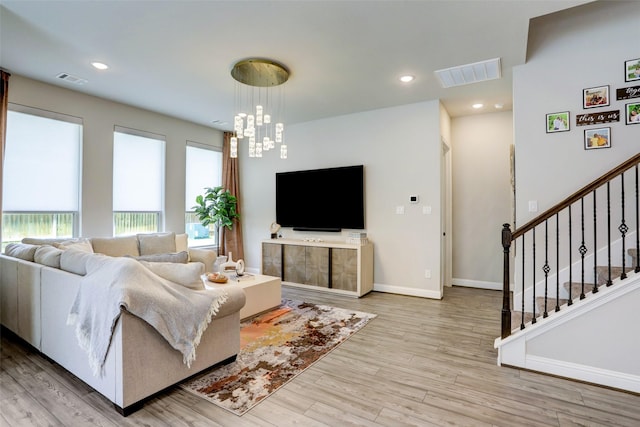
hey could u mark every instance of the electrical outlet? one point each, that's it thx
(427, 274)
(400, 210)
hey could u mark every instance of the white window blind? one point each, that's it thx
(138, 171)
(203, 169)
(42, 165)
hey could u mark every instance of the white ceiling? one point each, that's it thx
(175, 57)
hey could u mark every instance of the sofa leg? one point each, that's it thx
(229, 360)
(125, 412)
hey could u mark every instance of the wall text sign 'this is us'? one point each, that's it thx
(597, 118)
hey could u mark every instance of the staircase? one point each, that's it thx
(576, 290)
(576, 285)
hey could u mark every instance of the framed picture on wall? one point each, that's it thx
(595, 97)
(632, 70)
(597, 138)
(558, 122)
(633, 113)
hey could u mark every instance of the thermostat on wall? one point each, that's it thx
(413, 199)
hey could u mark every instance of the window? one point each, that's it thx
(138, 182)
(41, 196)
(203, 169)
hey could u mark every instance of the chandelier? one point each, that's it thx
(259, 106)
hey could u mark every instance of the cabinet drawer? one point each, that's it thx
(317, 266)
(272, 259)
(344, 269)
(294, 263)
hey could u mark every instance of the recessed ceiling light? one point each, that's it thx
(499, 106)
(476, 106)
(100, 65)
(406, 79)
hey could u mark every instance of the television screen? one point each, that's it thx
(321, 199)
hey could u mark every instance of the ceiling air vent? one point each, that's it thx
(72, 79)
(470, 73)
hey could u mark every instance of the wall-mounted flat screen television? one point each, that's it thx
(321, 199)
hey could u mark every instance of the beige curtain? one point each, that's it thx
(231, 240)
(4, 106)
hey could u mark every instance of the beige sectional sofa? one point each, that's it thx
(35, 299)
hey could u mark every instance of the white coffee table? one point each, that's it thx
(263, 293)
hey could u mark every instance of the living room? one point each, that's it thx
(401, 148)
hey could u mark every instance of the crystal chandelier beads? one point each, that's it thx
(257, 105)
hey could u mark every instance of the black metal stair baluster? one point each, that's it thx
(570, 256)
(507, 239)
(558, 263)
(534, 276)
(637, 269)
(609, 282)
(623, 231)
(595, 245)
(583, 247)
(523, 284)
(545, 267)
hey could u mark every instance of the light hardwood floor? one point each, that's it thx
(420, 363)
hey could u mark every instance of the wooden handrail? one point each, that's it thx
(576, 196)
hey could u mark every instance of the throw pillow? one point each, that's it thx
(157, 243)
(182, 242)
(81, 244)
(48, 255)
(178, 257)
(187, 275)
(116, 246)
(23, 251)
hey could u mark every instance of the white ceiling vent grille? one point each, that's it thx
(470, 73)
(72, 79)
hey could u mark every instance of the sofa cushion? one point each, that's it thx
(48, 255)
(23, 251)
(80, 244)
(187, 275)
(157, 243)
(44, 241)
(116, 246)
(75, 261)
(178, 257)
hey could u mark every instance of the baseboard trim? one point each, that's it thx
(413, 292)
(618, 380)
(496, 286)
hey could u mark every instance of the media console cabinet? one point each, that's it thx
(337, 267)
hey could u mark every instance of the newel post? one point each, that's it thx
(506, 293)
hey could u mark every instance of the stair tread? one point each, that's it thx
(575, 289)
(616, 271)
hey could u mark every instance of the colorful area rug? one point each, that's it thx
(274, 348)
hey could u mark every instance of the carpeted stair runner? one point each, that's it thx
(602, 275)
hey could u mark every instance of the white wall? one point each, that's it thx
(482, 196)
(400, 149)
(569, 51)
(99, 118)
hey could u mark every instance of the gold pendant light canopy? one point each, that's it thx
(260, 73)
(259, 112)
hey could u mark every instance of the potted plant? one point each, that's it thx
(217, 206)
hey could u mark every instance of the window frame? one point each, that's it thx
(161, 215)
(207, 243)
(76, 214)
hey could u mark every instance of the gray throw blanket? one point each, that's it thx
(111, 285)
